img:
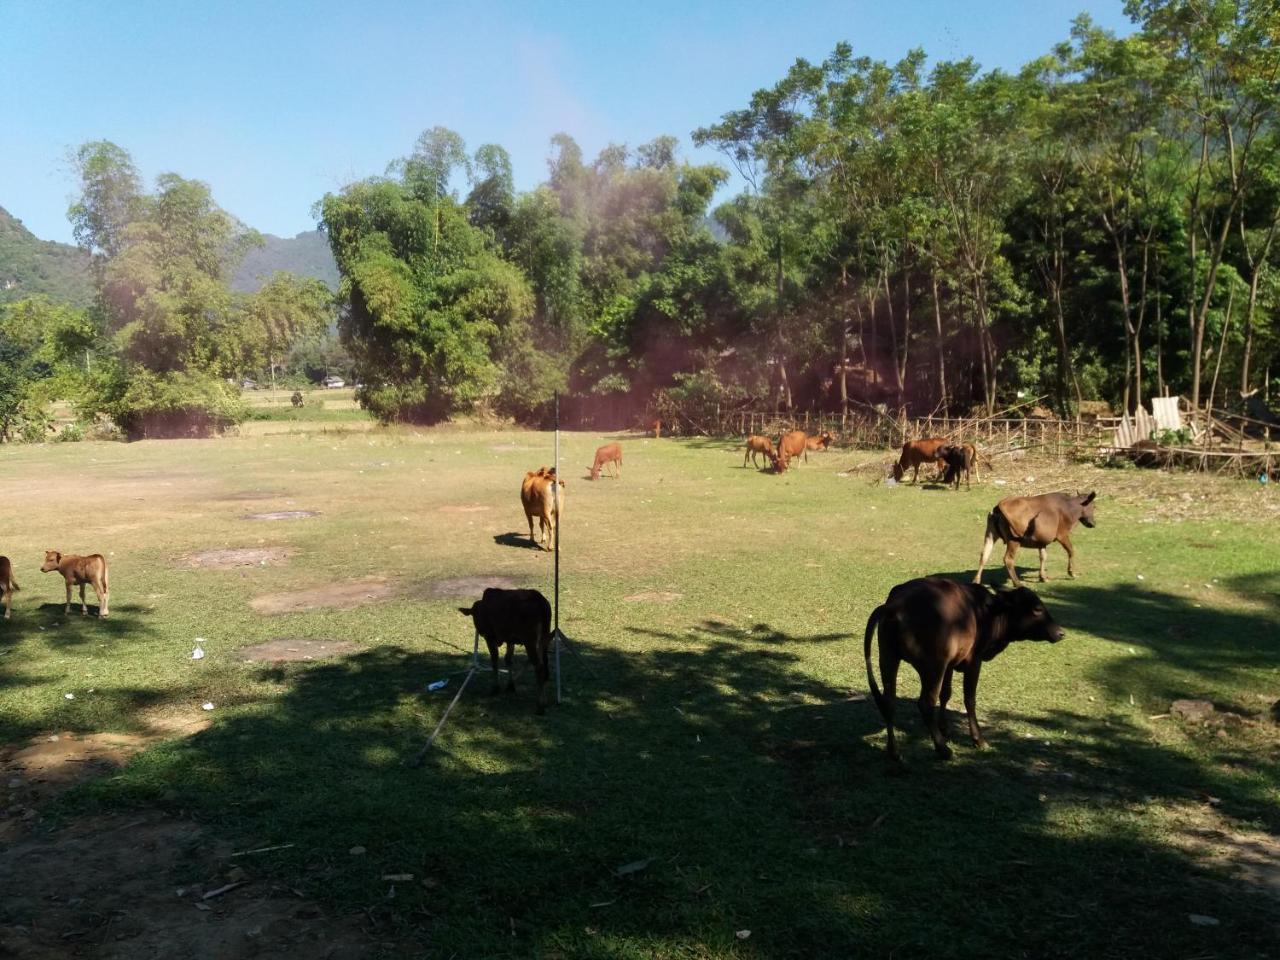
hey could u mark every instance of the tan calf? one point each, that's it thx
(79, 571)
(537, 496)
(756, 446)
(8, 586)
(610, 453)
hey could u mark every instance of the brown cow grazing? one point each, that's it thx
(91, 570)
(8, 586)
(940, 626)
(656, 427)
(759, 445)
(510, 617)
(793, 444)
(820, 442)
(610, 453)
(916, 453)
(536, 495)
(1035, 522)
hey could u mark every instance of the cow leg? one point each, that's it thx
(8, 602)
(944, 695)
(531, 537)
(971, 702)
(889, 676)
(102, 600)
(511, 673)
(1065, 540)
(988, 544)
(930, 690)
(493, 660)
(1043, 553)
(916, 476)
(67, 608)
(1011, 551)
(84, 607)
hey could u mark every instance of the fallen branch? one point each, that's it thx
(221, 890)
(245, 853)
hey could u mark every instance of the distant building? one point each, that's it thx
(333, 383)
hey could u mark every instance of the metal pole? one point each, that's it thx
(555, 500)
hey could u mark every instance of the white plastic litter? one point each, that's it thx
(69, 696)
(197, 653)
(207, 706)
(438, 685)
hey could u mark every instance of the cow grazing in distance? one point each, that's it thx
(77, 570)
(916, 453)
(756, 446)
(959, 461)
(610, 453)
(510, 617)
(792, 445)
(8, 586)
(1035, 522)
(940, 626)
(656, 427)
(536, 495)
(820, 442)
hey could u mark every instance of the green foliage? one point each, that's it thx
(42, 346)
(30, 267)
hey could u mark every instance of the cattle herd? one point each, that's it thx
(936, 625)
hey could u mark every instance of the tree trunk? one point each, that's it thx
(1222, 346)
(942, 359)
(893, 335)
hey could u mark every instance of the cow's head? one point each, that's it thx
(898, 472)
(779, 459)
(1086, 509)
(1026, 616)
(51, 560)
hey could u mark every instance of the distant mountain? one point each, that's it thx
(30, 266)
(307, 255)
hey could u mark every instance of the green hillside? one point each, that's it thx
(30, 266)
(307, 255)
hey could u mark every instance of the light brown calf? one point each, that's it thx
(79, 571)
(8, 586)
(610, 453)
(537, 496)
(756, 446)
(1035, 522)
(820, 442)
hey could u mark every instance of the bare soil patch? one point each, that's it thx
(289, 648)
(1251, 856)
(229, 559)
(653, 596)
(250, 495)
(350, 593)
(462, 587)
(131, 886)
(283, 515)
(463, 508)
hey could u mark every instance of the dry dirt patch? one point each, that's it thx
(653, 596)
(287, 648)
(283, 515)
(249, 495)
(229, 559)
(463, 508)
(350, 593)
(131, 886)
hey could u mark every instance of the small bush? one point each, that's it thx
(71, 433)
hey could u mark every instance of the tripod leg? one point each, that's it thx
(417, 760)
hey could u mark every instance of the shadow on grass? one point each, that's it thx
(741, 792)
(515, 539)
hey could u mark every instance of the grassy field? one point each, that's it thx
(714, 783)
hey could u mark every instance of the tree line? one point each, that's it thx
(1100, 224)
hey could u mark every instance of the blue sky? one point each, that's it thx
(274, 104)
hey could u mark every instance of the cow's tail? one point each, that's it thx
(873, 621)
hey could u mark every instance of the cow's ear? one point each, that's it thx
(1089, 499)
(465, 611)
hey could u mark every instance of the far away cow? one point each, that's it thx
(76, 570)
(960, 460)
(510, 617)
(8, 586)
(792, 445)
(820, 442)
(1035, 522)
(916, 453)
(757, 446)
(940, 626)
(610, 453)
(536, 496)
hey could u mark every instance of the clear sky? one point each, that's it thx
(275, 103)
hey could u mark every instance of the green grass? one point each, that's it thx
(721, 736)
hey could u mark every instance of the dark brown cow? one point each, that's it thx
(759, 445)
(91, 570)
(916, 453)
(940, 626)
(959, 461)
(510, 617)
(1035, 522)
(793, 444)
(8, 586)
(610, 453)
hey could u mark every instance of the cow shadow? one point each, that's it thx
(515, 539)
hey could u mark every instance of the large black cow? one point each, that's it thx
(510, 617)
(940, 626)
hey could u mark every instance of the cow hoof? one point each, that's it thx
(1070, 576)
(1043, 578)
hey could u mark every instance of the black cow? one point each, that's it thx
(940, 626)
(510, 617)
